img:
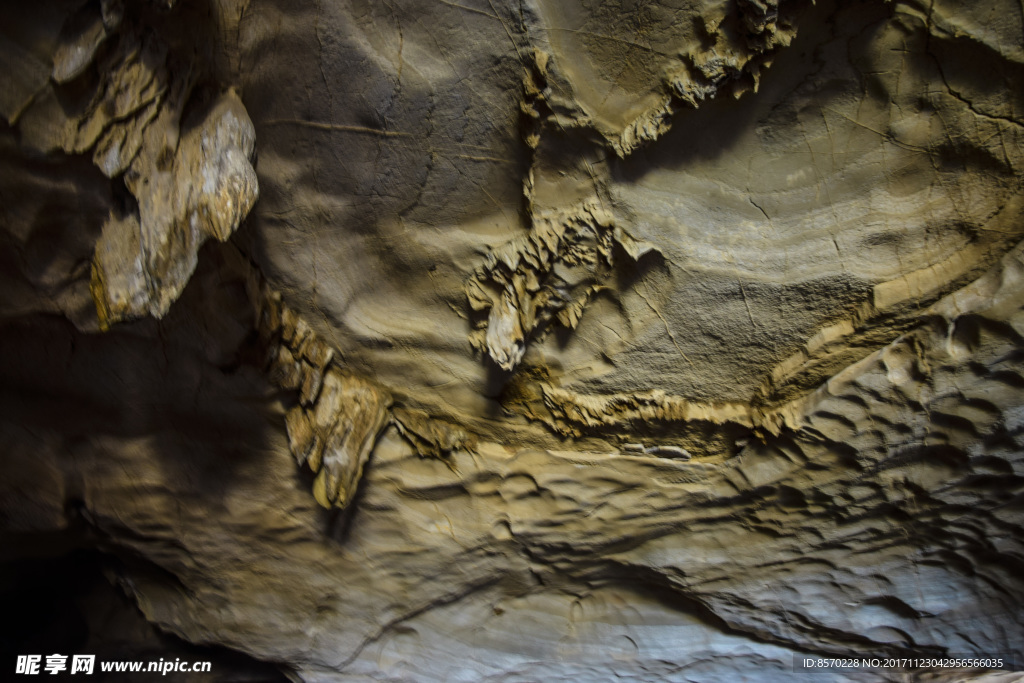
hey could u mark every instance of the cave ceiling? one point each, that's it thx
(522, 340)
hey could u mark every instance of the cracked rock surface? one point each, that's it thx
(519, 341)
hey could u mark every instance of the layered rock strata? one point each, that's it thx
(534, 340)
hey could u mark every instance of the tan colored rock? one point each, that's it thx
(567, 341)
(204, 190)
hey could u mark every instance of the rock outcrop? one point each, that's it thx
(446, 341)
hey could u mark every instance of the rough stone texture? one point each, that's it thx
(142, 263)
(565, 341)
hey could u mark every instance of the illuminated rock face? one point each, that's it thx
(536, 341)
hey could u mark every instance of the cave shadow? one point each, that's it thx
(178, 391)
(59, 593)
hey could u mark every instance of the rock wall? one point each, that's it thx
(535, 341)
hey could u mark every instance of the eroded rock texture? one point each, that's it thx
(535, 341)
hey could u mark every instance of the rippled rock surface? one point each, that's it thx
(534, 341)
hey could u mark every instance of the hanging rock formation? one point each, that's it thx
(535, 340)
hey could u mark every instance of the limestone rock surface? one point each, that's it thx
(544, 340)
